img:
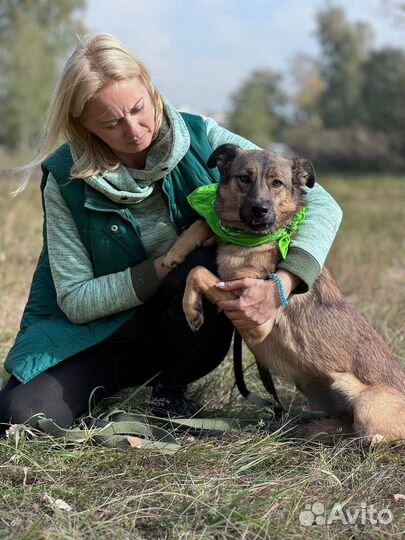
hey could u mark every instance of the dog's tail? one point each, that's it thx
(378, 409)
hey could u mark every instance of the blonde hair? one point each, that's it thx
(96, 60)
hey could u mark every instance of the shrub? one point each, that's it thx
(353, 148)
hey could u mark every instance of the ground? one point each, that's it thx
(246, 484)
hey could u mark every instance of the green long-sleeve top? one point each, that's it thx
(83, 297)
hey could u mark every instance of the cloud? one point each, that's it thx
(141, 26)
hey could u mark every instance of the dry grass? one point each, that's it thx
(247, 484)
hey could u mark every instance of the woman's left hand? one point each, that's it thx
(258, 299)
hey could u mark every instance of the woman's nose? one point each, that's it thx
(131, 126)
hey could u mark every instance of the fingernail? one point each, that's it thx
(220, 284)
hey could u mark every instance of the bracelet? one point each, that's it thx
(279, 286)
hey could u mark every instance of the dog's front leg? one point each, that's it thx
(201, 282)
(195, 236)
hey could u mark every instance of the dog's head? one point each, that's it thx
(260, 191)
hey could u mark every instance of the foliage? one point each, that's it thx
(354, 148)
(383, 91)
(256, 108)
(34, 36)
(344, 49)
(310, 88)
(348, 105)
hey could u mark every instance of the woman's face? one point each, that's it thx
(122, 115)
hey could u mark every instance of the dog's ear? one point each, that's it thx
(222, 155)
(303, 172)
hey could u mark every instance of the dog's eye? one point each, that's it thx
(244, 178)
(277, 183)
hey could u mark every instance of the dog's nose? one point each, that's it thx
(259, 211)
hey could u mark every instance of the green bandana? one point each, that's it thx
(203, 201)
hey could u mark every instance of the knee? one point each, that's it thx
(14, 413)
(11, 412)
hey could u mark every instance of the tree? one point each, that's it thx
(345, 48)
(349, 101)
(310, 87)
(256, 108)
(34, 35)
(383, 91)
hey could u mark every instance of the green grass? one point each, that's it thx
(246, 484)
(369, 253)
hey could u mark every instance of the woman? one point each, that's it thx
(103, 313)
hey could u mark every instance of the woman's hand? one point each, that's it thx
(258, 299)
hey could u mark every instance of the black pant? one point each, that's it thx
(157, 342)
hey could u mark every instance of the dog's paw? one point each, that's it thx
(171, 261)
(196, 322)
(195, 316)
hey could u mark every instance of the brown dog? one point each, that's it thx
(334, 357)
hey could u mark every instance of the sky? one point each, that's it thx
(200, 51)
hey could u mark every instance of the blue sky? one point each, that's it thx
(199, 51)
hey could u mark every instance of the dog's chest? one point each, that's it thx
(236, 262)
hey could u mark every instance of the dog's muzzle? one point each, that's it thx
(258, 216)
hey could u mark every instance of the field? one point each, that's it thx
(247, 484)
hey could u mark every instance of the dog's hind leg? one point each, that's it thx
(378, 409)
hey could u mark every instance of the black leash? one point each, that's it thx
(265, 376)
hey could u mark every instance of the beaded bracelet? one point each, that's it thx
(280, 287)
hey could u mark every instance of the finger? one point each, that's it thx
(238, 323)
(229, 305)
(243, 325)
(238, 318)
(234, 315)
(231, 285)
(242, 328)
(238, 306)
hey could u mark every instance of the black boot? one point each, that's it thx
(171, 401)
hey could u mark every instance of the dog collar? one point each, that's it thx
(203, 202)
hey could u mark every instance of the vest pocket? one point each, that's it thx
(114, 247)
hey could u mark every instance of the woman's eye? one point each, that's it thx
(137, 109)
(244, 178)
(277, 183)
(112, 126)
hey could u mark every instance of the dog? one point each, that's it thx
(334, 357)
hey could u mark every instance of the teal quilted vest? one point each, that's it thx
(46, 336)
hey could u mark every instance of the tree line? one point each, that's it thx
(347, 108)
(34, 38)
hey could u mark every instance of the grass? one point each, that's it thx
(247, 484)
